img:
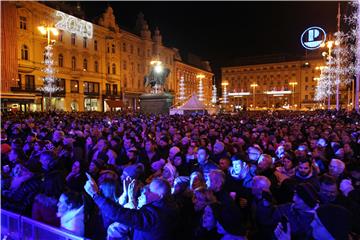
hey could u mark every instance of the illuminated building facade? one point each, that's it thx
(275, 84)
(99, 72)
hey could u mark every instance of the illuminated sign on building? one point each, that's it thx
(313, 37)
(277, 93)
(74, 25)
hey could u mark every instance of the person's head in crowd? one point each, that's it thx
(150, 145)
(159, 189)
(128, 142)
(17, 144)
(321, 143)
(112, 156)
(95, 166)
(304, 168)
(102, 145)
(336, 167)
(16, 156)
(215, 180)
(68, 201)
(259, 185)
(313, 143)
(354, 170)
(107, 174)
(185, 141)
(178, 159)
(39, 146)
(280, 151)
(133, 171)
(202, 197)
(288, 161)
(202, 155)
(172, 152)
(19, 175)
(197, 180)
(219, 147)
(254, 153)
(76, 168)
(204, 142)
(48, 160)
(110, 189)
(265, 162)
(301, 151)
(144, 197)
(31, 137)
(208, 218)
(58, 137)
(331, 222)
(229, 222)
(305, 197)
(328, 189)
(163, 142)
(169, 172)
(180, 185)
(224, 163)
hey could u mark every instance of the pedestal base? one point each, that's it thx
(156, 103)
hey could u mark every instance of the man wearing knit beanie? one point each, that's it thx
(331, 222)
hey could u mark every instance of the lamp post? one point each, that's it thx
(293, 84)
(49, 85)
(254, 85)
(201, 88)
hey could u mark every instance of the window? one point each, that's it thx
(125, 81)
(108, 48)
(306, 88)
(73, 38)
(306, 79)
(96, 66)
(61, 84)
(74, 86)
(113, 68)
(124, 47)
(22, 22)
(61, 34)
(138, 68)
(124, 65)
(24, 53)
(113, 48)
(95, 45)
(29, 82)
(108, 68)
(61, 60)
(115, 88)
(85, 65)
(138, 51)
(91, 88)
(108, 88)
(131, 49)
(148, 52)
(84, 42)
(19, 82)
(306, 97)
(73, 63)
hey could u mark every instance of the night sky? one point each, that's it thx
(222, 31)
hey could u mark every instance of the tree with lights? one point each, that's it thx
(214, 95)
(182, 89)
(201, 88)
(50, 81)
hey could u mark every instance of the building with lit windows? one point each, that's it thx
(99, 73)
(275, 82)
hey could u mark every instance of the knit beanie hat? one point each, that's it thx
(336, 220)
(230, 219)
(308, 194)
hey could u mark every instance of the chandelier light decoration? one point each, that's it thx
(182, 89)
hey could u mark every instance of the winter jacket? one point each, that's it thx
(155, 221)
(44, 210)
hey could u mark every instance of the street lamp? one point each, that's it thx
(293, 84)
(49, 80)
(158, 69)
(201, 88)
(254, 85)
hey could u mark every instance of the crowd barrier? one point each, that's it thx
(17, 227)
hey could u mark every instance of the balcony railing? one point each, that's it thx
(34, 89)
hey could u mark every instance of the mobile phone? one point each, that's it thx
(284, 220)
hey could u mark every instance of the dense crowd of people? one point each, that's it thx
(253, 175)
